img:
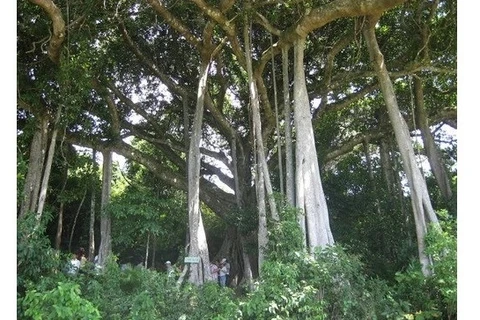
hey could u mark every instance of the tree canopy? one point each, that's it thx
(125, 77)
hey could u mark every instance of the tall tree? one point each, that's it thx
(199, 273)
(310, 196)
(105, 248)
(422, 207)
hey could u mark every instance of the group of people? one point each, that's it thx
(220, 272)
(78, 262)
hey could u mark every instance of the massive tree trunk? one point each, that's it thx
(199, 273)
(289, 165)
(310, 197)
(247, 267)
(105, 221)
(35, 168)
(422, 207)
(433, 154)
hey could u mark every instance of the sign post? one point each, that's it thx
(191, 260)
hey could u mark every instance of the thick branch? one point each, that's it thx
(58, 35)
(176, 24)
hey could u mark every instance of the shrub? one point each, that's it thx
(434, 296)
(62, 302)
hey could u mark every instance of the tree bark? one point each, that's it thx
(91, 228)
(58, 36)
(75, 220)
(310, 197)
(422, 207)
(48, 167)
(262, 218)
(289, 165)
(199, 273)
(277, 125)
(35, 168)
(257, 124)
(58, 234)
(433, 154)
(105, 221)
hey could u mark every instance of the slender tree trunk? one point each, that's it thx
(35, 168)
(310, 196)
(154, 250)
(105, 221)
(257, 124)
(48, 167)
(277, 123)
(58, 235)
(75, 220)
(91, 228)
(199, 273)
(422, 207)
(290, 169)
(372, 184)
(147, 249)
(262, 172)
(262, 219)
(387, 168)
(433, 154)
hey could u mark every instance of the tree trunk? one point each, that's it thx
(147, 249)
(247, 267)
(35, 168)
(433, 154)
(277, 123)
(199, 273)
(58, 235)
(289, 165)
(154, 251)
(372, 184)
(105, 221)
(91, 228)
(422, 207)
(48, 167)
(262, 218)
(257, 124)
(310, 197)
(75, 220)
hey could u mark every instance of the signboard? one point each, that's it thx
(191, 260)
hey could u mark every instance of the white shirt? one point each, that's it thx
(74, 266)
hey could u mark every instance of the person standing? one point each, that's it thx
(74, 265)
(223, 272)
(227, 270)
(81, 256)
(214, 271)
(170, 271)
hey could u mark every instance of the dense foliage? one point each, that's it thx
(292, 285)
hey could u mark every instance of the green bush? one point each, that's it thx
(62, 302)
(435, 296)
(36, 258)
